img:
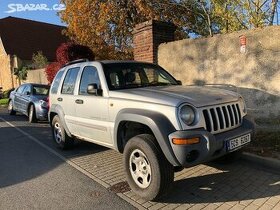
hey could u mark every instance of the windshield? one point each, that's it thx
(41, 90)
(136, 75)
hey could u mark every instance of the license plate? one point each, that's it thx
(238, 142)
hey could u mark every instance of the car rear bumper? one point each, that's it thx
(210, 146)
(41, 113)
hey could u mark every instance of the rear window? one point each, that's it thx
(41, 90)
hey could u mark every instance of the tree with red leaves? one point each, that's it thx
(66, 53)
(51, 70)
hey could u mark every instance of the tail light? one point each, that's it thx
(45, 103)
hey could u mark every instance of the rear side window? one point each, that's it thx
(56, 82)
(70, 81)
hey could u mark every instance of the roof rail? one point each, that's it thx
(76, 61)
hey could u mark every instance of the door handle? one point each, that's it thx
(60, 99)
(79, 101)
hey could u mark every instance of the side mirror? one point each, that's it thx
(28, 93)
(179, 82)
(92, 89)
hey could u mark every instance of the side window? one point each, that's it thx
(20, 89)
(56, 82)
(27, 89)
(69, 81)
(89, 76)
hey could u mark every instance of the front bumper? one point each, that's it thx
(210, 146)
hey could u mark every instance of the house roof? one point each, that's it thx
(23, 37)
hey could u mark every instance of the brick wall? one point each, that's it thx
(148, 36)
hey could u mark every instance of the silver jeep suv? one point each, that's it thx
(140, 110)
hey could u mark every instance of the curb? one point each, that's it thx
(262, 161)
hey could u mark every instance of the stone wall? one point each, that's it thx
(36, 76)
(218, 61)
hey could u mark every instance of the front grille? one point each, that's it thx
(222, 118)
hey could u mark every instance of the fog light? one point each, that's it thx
(192, 156)
(181, 141)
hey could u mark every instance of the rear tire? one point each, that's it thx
(32, 114)
(148, 172)
(11, 110)
(60, 136)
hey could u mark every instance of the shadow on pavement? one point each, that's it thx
(21, 159)
(236, 182)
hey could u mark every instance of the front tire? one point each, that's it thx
(60, 136)
(148, 172)
(11, 110)
(32, 114)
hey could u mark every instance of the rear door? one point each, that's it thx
(66, 97)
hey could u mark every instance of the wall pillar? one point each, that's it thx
(148, 36)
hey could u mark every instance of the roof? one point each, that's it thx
(23, 37)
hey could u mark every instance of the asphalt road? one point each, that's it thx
(31, 177)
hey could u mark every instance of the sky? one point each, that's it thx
(38, 10)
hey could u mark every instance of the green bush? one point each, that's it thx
(4, 101)
(6, 93)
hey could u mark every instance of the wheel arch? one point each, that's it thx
(28, 107)
(152, 122)
(57, 110)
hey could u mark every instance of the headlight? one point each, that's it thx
(242, 105)
(187, 114)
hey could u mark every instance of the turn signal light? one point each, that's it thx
(180, 141)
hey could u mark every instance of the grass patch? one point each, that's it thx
(4, 101)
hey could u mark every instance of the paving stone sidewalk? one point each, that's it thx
(234, 186)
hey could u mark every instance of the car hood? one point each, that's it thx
(175, 95)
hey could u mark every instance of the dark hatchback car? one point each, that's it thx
(31, 100)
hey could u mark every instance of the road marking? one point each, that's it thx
(57, 154)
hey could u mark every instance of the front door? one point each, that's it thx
(92, 110)
(25, 99)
